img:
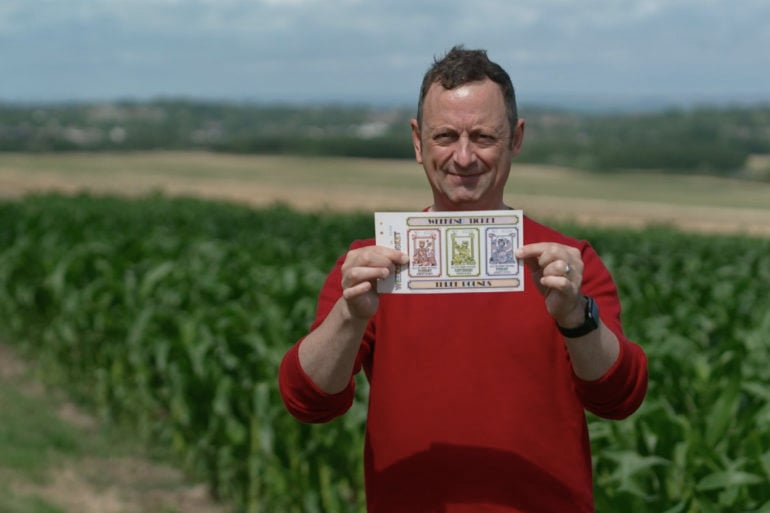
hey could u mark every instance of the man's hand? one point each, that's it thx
(360, 272)
(328, 353)
(557, 271)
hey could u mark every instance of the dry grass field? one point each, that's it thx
(546, 193)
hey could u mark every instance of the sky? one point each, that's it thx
(375, 51)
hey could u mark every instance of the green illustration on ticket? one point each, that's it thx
(464, 258)
(461, 252)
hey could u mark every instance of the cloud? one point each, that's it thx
(355, 48)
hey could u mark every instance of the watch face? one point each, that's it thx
(590, 323)
(592, 311)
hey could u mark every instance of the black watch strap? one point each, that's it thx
(590, 323)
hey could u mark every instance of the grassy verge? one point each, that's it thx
(56, 459)
(32, 439)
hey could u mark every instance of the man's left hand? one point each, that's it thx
(557, 271)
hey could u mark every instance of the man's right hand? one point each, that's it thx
(360, 272)
(328, 353)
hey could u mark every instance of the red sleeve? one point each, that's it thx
(621, 390)
(301, 396)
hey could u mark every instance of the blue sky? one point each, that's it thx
(376, 51)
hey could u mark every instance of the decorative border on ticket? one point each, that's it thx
(453, 251)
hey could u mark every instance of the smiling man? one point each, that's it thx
(465, 141)
(477, 401)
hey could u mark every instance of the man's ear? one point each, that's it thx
(518, 137)
(416, 142)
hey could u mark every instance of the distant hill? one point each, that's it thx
(715, 140)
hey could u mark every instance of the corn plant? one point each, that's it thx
(172, 315)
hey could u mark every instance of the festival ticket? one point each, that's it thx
(470, 251)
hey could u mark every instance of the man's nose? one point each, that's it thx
(464, 154)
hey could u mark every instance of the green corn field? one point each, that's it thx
(171, 316)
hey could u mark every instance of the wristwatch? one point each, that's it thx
(590, 323)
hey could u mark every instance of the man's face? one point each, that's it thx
(465, 145)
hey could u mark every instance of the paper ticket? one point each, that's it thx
(449, 252)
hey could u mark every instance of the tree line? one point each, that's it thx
(703, 140)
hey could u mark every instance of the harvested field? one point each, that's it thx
(705, 204)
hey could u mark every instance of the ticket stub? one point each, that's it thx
(472, 251)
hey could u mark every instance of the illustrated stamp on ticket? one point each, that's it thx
(464, 252)
(423, 250)
(452, 252)
(501, 244)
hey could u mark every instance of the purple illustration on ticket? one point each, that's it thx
(501, 244)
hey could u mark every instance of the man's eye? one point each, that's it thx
(485, 138)
(443, 137)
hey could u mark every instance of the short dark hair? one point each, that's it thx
(460, 66)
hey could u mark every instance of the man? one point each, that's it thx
(476, 400)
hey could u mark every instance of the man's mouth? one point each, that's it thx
(466, 174)
(465, 177)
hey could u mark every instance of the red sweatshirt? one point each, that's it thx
(474, 406)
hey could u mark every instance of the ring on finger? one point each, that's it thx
(567, 269)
